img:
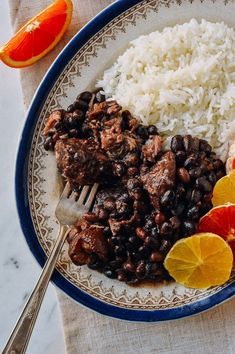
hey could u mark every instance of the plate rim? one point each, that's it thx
(21, 191)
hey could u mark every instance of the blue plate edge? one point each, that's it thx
(76, 294)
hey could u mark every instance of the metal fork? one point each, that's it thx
(71, 206)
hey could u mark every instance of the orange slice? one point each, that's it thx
(38, 36)
(200, 261)
(221, 220)
(224, 190)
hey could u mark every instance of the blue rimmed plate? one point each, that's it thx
(77, 68)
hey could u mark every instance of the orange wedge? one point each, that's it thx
(224, 190)
(200, 261)
(220, 220)
(38, 36)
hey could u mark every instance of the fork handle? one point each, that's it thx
(19, 338)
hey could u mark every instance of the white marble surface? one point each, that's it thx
(18, 269)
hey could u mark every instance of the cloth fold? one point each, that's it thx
(88, 332)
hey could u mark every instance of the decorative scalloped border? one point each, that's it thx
(37, 207)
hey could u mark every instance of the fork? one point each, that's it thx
(71, 207)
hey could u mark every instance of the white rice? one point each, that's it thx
(181, 79)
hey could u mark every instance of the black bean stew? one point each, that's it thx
(148, 198)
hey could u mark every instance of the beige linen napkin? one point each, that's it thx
(86, 332)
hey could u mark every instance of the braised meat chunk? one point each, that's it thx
(160, 177)
(152, 148)
(117, 226)
(80, 161)
(106, 108)
(55, 118)
(86, 243)
(117, 141)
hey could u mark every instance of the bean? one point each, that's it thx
(207, 207)
(219, 174)
(210, 166)
(141, 233)
(180, 157)
(48, 143)
(180, 190)
(156, 256)
(85, 96)
(140, 206)
(100, 97)
(196, 196)
(80, 104)
(177, 143)
(116, 240)
(190, 162)
(166, 228)
(195, 172)
(204, 146)
(151, 242)
(165, 246)
(207, 197)
(134, 240)
(70, 108)
(142, 131)
(178, 210)
(149, 224)
(183, 175)
(135, 256)
(119, 250)
(212, 178)
(175, 222)
(140, 270)
(188, 196)
(78, 115)
(203, 184)
(167, 198)
(107, 232)
(129, 266)
(155, 231)
(189, 228)
(190, 143)
(95, 265)
(110, 274)
(218, 164)
(152, 130)
(149, 267)
(130, 247)
(143, 251)
(193, 213)
(159, 218)
(115, 264)
(121, 275)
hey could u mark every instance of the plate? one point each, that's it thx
(77, 68)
